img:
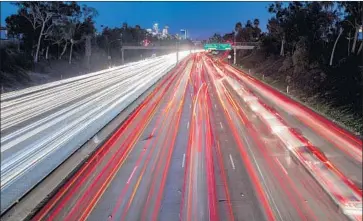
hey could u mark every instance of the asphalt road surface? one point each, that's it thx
(193, 150)
(42, 126)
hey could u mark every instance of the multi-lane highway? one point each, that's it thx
(208, 143)
(42, 126)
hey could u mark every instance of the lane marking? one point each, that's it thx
(183, 162)
(95, 139)
(190, 105)
(132, 174)
(230, 157)
(215, 106)
(152, 133)
(283, 168)
(268, 191)
(188, 125)
(221, 124)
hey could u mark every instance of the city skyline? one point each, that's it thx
(201, 19)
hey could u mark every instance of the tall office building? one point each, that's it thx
(165, 31)
(156, 28)
(184, 33)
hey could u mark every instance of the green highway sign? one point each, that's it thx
(218, 46)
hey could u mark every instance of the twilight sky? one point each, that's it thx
(202, 19)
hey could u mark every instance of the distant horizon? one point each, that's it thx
(201, 19)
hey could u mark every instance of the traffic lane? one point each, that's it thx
(25, 112)
(32, 161)
(116, 197)
(341, 138)
(194, 193)
(65, 105)
(131, 191)
(154, 180)
(345, 163)
(11, 102)
(344, 159)
(309, 201)
(216, 80)
(43, 150)
(132, 127)
(235, 115)
(244, 201)
(92, 176)
(277, 196)
(349, 166)
(57, 84)
(174, 184)
(123, 195)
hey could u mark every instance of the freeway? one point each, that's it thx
(341, 147)
(201, 147)
(42, 126)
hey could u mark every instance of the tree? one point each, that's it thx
(335, 44)
(18, 26)
(276, 31)
(39, 14)
(216, 38)
(238, 31)
(256, 22)
(256, 29)
(228, 37)
(44, 16)
(79, 26)
(248, 24)
(353, 17)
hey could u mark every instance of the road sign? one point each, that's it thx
(221, 47)
(229, 56)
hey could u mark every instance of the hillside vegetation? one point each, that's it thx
(54, 40)
(314, 48)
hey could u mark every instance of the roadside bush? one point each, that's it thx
(14, 66)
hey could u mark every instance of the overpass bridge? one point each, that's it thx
(176, 47)
(184, 47)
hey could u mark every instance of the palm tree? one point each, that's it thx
(238, 27)
(256, 22)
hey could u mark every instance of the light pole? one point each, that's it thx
(108, 50)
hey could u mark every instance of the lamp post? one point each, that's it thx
(108, 50)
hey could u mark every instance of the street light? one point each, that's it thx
(108, 47)
(108, 50)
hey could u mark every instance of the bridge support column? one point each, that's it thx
(234, 56)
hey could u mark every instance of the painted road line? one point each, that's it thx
(283, 168)
(188, 125)
(230, 157)
(132, 174)
(183, 162)
(220, 123)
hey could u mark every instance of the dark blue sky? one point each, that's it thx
(202, 19)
